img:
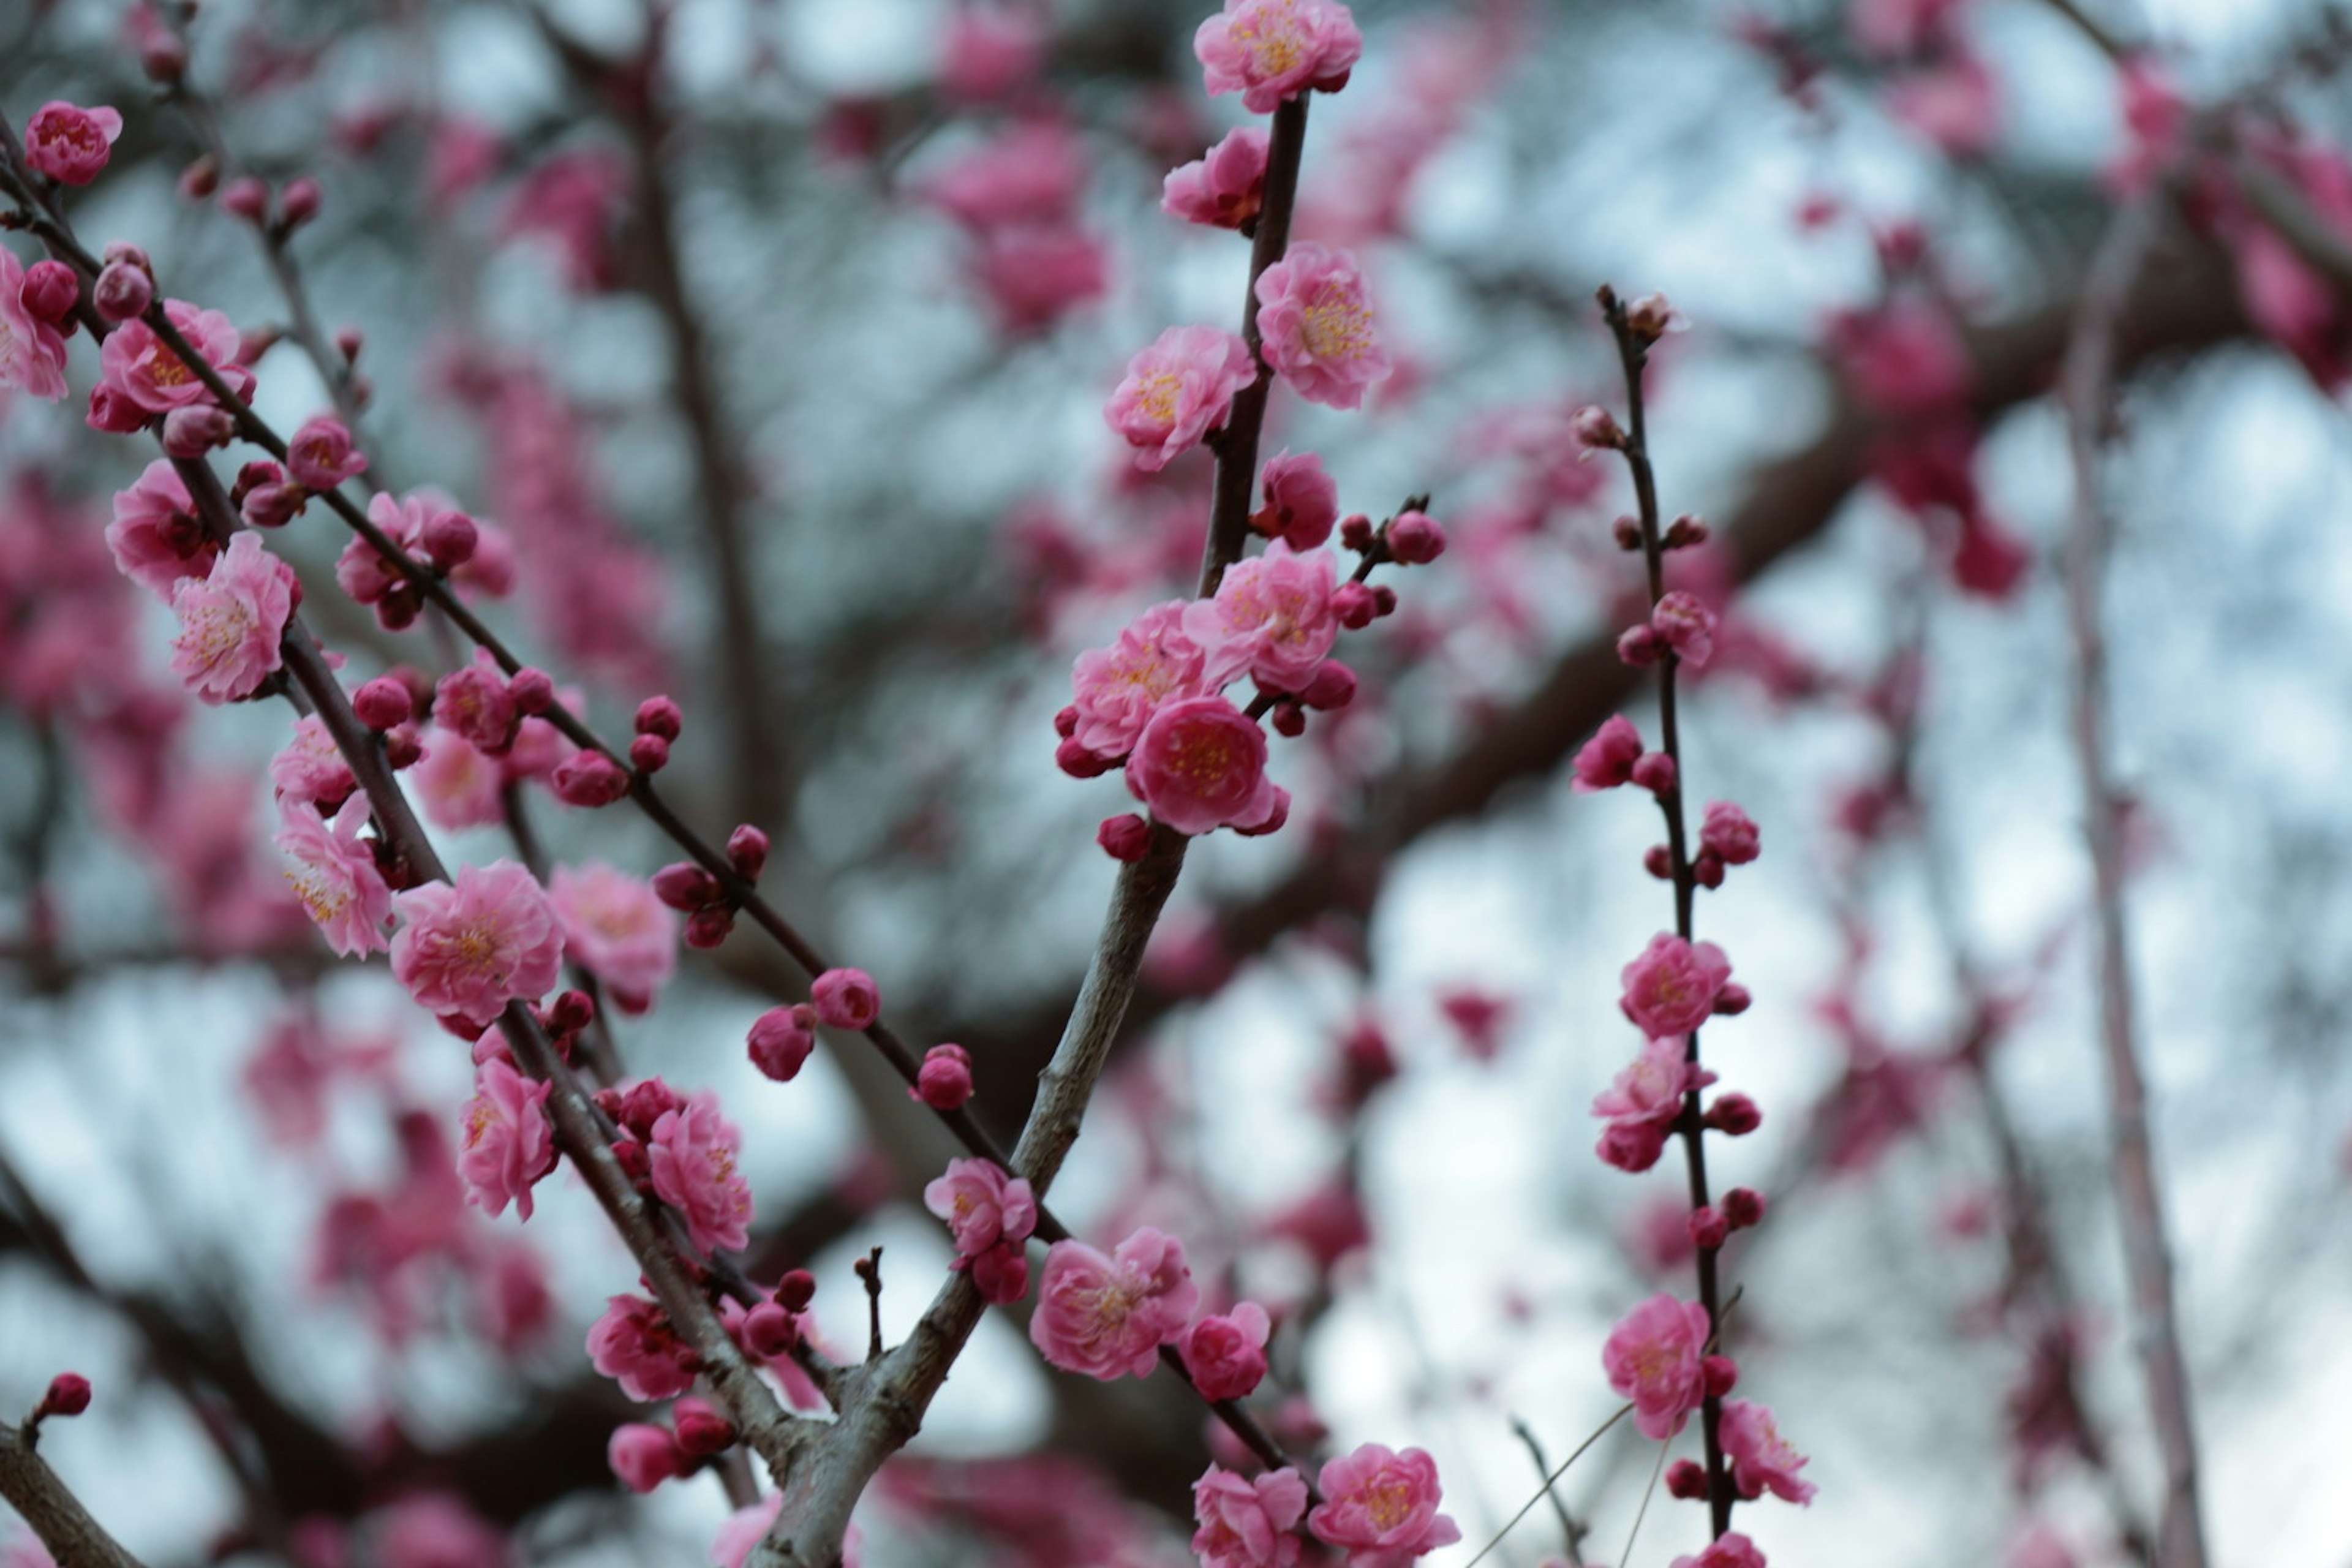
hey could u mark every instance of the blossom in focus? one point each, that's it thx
(138, 365)
(1226, 1353)
(1178, 390)
(1107, 1316)
(981, 1205)
(1272, 617)
(334, 874)
(508, 1142)
(1119, 688)
(1381, 1507)
(32, 352)
(615, 927)
(1761, 1459)
(1268, 50)
(1316, 319)
(71, 144)
(231, 621)
(1670, 989)
(467, 947)
(691, 1154)
(634, 1345)
(1653, 1357)
(1199, 764)
(1246, 1522)
(1223, 188)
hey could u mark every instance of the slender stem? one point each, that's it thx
(2086, 390)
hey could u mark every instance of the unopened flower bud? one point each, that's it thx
(123, 290)
(1655, 773)
(1708, 869)
(781, 1040)
(701, 1430)
(1628, 533)
(298, 204)
(707, 926)
(1065, 722)
(246, 197)
(649, 753)
(1640, 646)
(1289, 720)
(945, 1082)
(49, 292)
(1355, 532)
(348, 341)
(533, 690)
(1686, 1479)
(1385, 599)
(1708, 1229)
(1415, 539)
(746, 850)
(193, 431)
(1123, 837)
(685, 886)
(1734, 1115)
(795, 1290)
(1074, 759)
(1353, 603)
(402, 749)
(449, 539)
(660, 716)
(270, 506)
(164, 56)
(769, 1332)
(69, 1395)
(383, 703)
(114, 413)
(200, 179)
(1733, 1000)
(1659, 862)
(1720, 1372)
(570, 1013)
(1743, 1206)
(1596, 427)
(1332, 685)
(589, 779)
(1685, 533)
(1648, 317)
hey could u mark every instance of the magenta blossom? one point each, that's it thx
(691, 1154)
(1248, 1523)
(634, 1345)
(1653, 1358)
(231, 621)
(138, 365)
(1381, 1507)
(1302, 501)
(467, 949)
(1268, 50)
(1728, 833)
(334, 875)
(615, 927)
(71, 144)
(1315, 315)
(509, 1143)
(1226, 1355)
(1729, 1550)
(1121, 687)
(320, 456)
(1652, 1089)
(1225, 186)
(981, 1205)
(1686, 625)
(847, 999)
(1178, 390)
(1607, 760)
(1761, 1459)
(1201, 764)
(1272, 618)
(32, 351)
(1671, 988)
(310, 770)
(1107, 1317)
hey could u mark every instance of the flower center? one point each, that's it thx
(1337, 326)
(215, 630)
(1157, 393)
(1274, 40)
(1389, 1502)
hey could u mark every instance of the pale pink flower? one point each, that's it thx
(1268, 50)
(981, 1205)
(634, 1345)
(1227, 1355)
(135, 363)
(231, 621)
(1302, 501)
(310, 770)
(1121, 687)
(455, 782)
(1225, 186)
(1729, 1550)
(1034, 274)
(32, 352)
(1201, 764)
(1316, 318)
(1178, 390)
(1381, 1507)
(1652, 1089)
(509, 1142)
(435, 1529)
(1761, 1459)
(1671, 988)
(1108, 1316)
(334, 874)
(1031, 173)
(155, 537)
(615, 927)
(1653, 1358)
(1607, 760)
(691, 1155)
(320, 456)
(71, 144)
(1686, 625)
(1248, 1523)
(1272, 617)
(467, 949)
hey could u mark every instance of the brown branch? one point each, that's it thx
(57, 1516)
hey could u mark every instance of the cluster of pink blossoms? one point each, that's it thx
(1379, 1508)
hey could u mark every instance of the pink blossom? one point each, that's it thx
(781, 1040)
(1381, 1507)
(1652, 1089)
(1268, 50)
(136, 364)
(1034, 274)
(1031, 173)
(455, 783)
(32, 352)
(1671, 988)
(1121, 687)
(1728, 833)
(1906, 359)
(1762, 1460)
(692, 1157)
(847, 999)
(981, 1205)
(435, 1529)
(1653, 1358)
(508, 1142)
(1225, 186)
(1686, 625)
(310, 770)
(1729, 1550)
(615, 927)
(1248, 1523)
(1316, 318)
(944, 1080)
(1607, 760)
(320, 456)
(231, 621)
(468, 948)
(990, 51)
(334, 875)
(1302, 501)
(71, 145)
(1226, 1355)
(155, 537)
(1178, 390)
(634, 1345)
(643, 1456)
(365, 573)
(1272, 617)
(1201, 764)
(1108, 1316)
(744, 1530)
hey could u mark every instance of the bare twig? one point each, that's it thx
(57, 1516)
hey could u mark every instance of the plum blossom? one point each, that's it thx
(1653, 1358)
(1643, 1102)
(1315, 316)
(1302, 502)
(310, 770)
(743, 1529)
(846, 999)
(71, 144)
(1607, 760)
(435, 1529)
(990, 1215)
(1178, 390)
(1686, 625)
(1224, 187)
(1227, 1355)
(139, 366)
(1381, 1507)
(634, 1345)
(1272, 617)
(1268, 50)
(467, 949)
(615, 927)
(1670, 989)
(231, 622)
(455, 782)
(1107, 1317)
(509, 1143)
(1728, 833)
(1729, 1550)
(334, 874)
(691, 1154)
(32, 352)
(1121, 687)
(1247, 1523)
(320, 456)
(1199, 764)
(1762, 1460)
(155, 537)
